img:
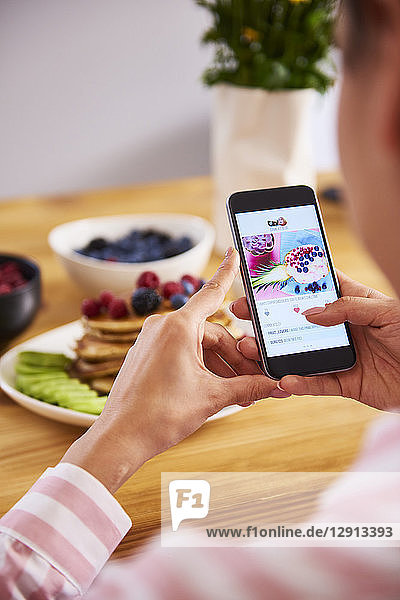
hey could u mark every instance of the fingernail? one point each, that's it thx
(278, 385)
(246, 404)
(228, 252)
(232, 304)
(279, 394)
(313, 311)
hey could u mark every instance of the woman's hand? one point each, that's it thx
(181, 370)
(375, 327)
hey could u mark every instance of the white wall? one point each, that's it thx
(97, 93)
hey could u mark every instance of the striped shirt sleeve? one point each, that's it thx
(328, 573)
(59, 535)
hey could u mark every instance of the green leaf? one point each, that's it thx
(270, 44)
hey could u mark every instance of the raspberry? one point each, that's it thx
(14, 279)
(117, 308)
(172, 287)
(193, 280)
(148, 279)
(90, 307)
(5, 288)
(105, 298)
(145, 300)
(10, 267)
(20, 283)
(178, 300)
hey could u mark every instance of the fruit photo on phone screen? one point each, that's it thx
(290, 263)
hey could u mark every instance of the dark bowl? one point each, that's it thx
(18, 308)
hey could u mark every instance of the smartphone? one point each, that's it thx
(286, 267)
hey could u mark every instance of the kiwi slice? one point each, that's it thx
(56, 396)
(89, 405)
(44, 359)
(42, 375)
(65, 397)
(56, 376)
(25, 380)
(24, 369)
(44, 390)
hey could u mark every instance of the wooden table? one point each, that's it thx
(297, 434)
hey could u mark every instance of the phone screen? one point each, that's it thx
(289, 269)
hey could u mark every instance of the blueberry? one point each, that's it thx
(305, 269)
(133, 235)
(137, 246)
(145, 300)
(320, 254)
(297, 289)
(313, 254)
(163, 238)
(311, 259)
(125, 244)
(316, 247)
(178, 300)
(108, 252)
(97, 244)
(170, 250)
(148, 232)
(96, 254)
(154, 254)
(178, 246)
(307, 255)
(306, 262)
(324, 286)
(139, 256)
(185, 244)
(299, 270)
(188, 287)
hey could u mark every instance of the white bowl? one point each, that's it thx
(94, 275)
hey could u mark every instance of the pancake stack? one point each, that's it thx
(105, 343)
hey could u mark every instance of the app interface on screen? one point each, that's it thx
(289, 271)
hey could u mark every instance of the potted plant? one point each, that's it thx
(270, 57)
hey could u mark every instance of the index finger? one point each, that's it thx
(210, 297)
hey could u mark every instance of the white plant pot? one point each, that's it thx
(259, 139)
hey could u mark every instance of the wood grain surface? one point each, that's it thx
(296, 434)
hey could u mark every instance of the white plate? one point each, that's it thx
(61, 339)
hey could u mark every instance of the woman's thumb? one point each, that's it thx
(245, 389)
(359, 311)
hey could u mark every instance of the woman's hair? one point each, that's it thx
(358, 30)
(364, 20)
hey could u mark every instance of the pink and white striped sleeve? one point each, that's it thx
(58, 536)
(348, 573)
(55, 540)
